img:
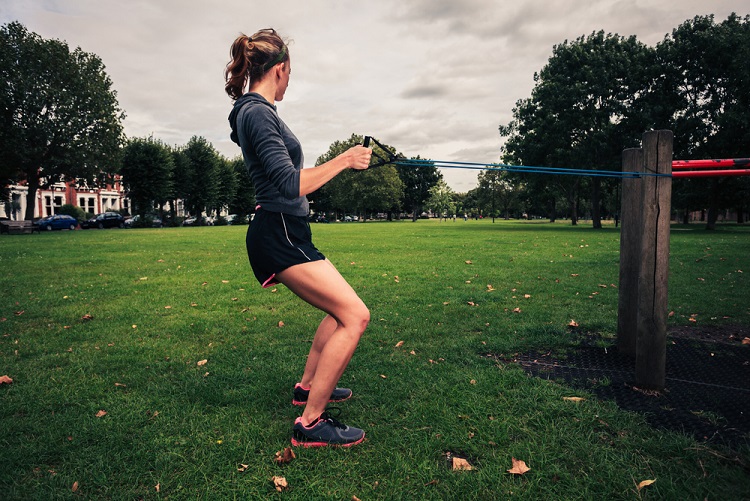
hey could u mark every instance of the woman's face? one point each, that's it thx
(286, 70)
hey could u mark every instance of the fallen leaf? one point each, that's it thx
(744, 341)
(469, 262)
(101, 413)
(383, 376)
(519, 467)
(574, 399)
(471, 303)
(473, 381)
(281, 324)
(5, 380)
(87, 317)
(516, 310)
(120, 384)
(399, 344)
(144, 278)
(279, 483)
(355, 498)
(202, 362)
(490, 288)
(285, 456)
(75, 486)
(527, 296)
(243, 467)
(461, 464)
(157, 487)
(645, 483)
(167, 307)
(225, 281)
(572, 323)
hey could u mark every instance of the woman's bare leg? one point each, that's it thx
(320, 284)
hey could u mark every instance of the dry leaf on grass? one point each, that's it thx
(202, 362)
(279, 483)
(645, 483)
(519, 467)
(516, 310)
(75, 486)
(746, 340)
(574, 399)
(5, 380)
(461, 464)
(572, 323)
(399, 344)
(157, 487)
(285, 456)
(281, 324)
(87, 317)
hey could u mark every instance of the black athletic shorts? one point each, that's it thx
(277, 241)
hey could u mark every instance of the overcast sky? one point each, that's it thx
(430, 77)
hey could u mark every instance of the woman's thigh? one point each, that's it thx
(320, 284)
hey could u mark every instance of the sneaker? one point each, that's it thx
(326, 431)
(338, 395)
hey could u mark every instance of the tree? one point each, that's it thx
(583, 111)
(417, 183)
(705, 81)
(376, 189)
(243, 202)
(201, 183)
(227, 185)
(496, 193)
(147, 170)
(60, 118)
(441, 198)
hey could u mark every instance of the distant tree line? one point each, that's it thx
(596, 95)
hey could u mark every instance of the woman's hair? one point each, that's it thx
(251, 57)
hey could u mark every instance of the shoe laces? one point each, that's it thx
(326, 416)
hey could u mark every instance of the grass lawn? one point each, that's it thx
(167, 332)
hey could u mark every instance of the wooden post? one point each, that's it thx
(651, 343)
(631, 208)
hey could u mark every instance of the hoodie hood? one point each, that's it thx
(250, 97)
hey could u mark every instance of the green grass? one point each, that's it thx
(163, 300)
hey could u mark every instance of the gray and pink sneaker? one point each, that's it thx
(325, 431)
(338, 395)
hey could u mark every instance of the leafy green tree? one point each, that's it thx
(377, 189)
(60, 118)
(147, 169)
(441, 199)
(227, 188)
(201, 186)
(243, 202)
(706, 83)
(417, 183)
(582, 112)
(497, 193)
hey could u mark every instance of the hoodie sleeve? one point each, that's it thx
(265, 133)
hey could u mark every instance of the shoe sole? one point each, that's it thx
(310, 444)
(300, 402)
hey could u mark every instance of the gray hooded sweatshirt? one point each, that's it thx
(273, 155)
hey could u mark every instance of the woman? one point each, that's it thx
(279, 243)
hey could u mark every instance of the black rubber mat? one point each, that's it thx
(707, 393)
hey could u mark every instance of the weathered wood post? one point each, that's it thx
(651, 345)
(630, 252)
(644, 258)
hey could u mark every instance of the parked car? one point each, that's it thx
(57, 222)
(105, 220)
(190, 221)
(133, 221)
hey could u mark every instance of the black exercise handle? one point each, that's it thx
(366, 142)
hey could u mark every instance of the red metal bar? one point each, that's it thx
(711, 173)
(710, 164)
